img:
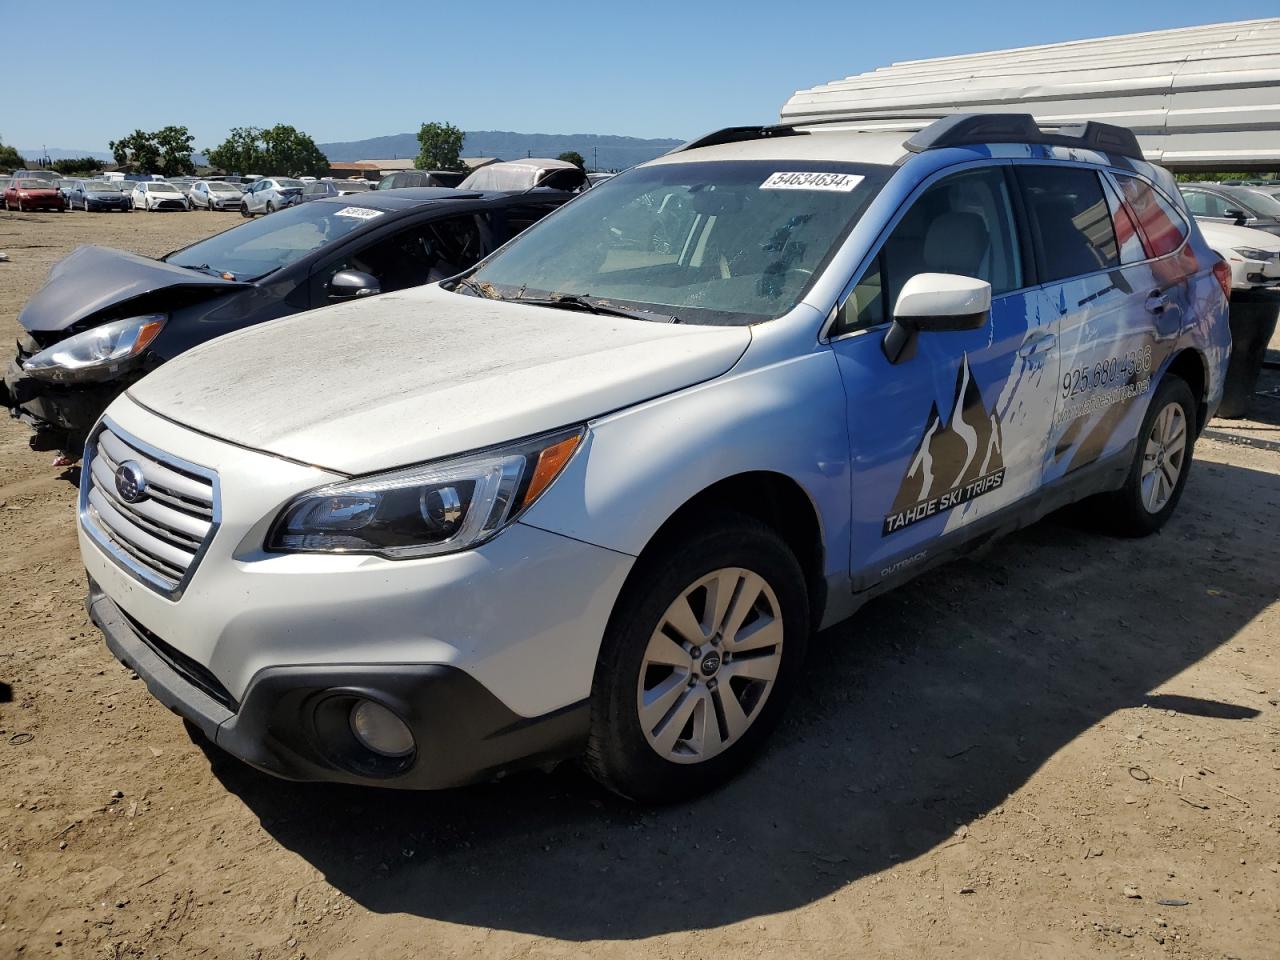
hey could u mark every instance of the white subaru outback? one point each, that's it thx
(591, 498)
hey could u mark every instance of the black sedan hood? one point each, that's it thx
(93, 279)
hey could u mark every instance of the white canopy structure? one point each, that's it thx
(1198, 98)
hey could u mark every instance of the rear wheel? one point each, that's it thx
(1162, 462)
(698, 661)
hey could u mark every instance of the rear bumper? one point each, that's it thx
(284, 723)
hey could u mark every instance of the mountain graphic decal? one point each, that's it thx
(954, 462)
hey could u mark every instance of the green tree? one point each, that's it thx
(138, 150)
(441, 147)
(289, 152)
(174, 145)
(281, 151)
(574, 157)
(167, 151)
(240, 153)
(10, 159)
(77, 165)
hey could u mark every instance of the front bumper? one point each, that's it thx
(463, 733)
(521, 616)
(61, 415)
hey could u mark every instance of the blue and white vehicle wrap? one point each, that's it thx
(980, 432)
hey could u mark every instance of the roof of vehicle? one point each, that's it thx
(890, 140)
(852, 146)
(517, 174)
(401, 198)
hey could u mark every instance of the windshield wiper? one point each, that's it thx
(573, 301)
(204, 268)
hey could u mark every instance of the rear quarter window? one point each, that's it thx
(1163, 228)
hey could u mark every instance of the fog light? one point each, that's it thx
(380, 730)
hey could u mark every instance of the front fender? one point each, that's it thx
(640, 465)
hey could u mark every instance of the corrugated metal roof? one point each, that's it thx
(1198, 97)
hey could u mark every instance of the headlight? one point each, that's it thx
(434, 508)
(96, 354)
(1253, 253)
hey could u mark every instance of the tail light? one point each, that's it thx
(1222, 270)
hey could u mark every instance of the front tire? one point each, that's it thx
(244, 210)
(700, 657)
(1162, 462)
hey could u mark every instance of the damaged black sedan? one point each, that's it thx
(105, 318)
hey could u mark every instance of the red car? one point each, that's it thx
(33, 195)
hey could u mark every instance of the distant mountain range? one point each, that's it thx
(600, 151)
(32, 154)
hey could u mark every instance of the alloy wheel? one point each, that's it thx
(710, 665)
(1164, 457)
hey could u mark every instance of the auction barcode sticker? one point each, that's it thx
(358, 213)
(837, 182)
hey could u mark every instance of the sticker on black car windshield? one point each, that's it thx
(811, 180)
(358, 213)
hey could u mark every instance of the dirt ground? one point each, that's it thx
(1020, 755)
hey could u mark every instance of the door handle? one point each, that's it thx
(1037, 344)
(1157, 301)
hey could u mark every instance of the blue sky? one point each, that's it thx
(649, 69)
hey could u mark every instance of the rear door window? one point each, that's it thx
(1070, 221)
(1163, 228)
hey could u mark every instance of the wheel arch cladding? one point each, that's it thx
(775, 500)
(1189, 365)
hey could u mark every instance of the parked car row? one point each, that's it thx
(589, 496)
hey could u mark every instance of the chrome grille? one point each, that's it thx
(161, 536)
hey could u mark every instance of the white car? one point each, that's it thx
(215, 195)
(152, 195)
(589, 498)
(270, 194)
(1253, 255)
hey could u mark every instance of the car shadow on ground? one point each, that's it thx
(926, 710)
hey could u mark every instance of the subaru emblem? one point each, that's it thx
(130, 482)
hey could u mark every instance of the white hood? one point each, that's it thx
(424, 373)
(1228, 236)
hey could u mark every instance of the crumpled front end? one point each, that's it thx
(60, 415)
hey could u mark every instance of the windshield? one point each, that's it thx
(34, 185)
(256, 248)
(287, 184)
(162, 188)
(717, 243)
(101, 186)
(219, 187)
(1263, 203)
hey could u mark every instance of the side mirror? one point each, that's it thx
(1240, 217)
(935, 303)
(349, 284)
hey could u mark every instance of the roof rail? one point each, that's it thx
(950, 130)
(740, 135)
(961, 129)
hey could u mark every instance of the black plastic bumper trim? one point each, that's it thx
(464, 733)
